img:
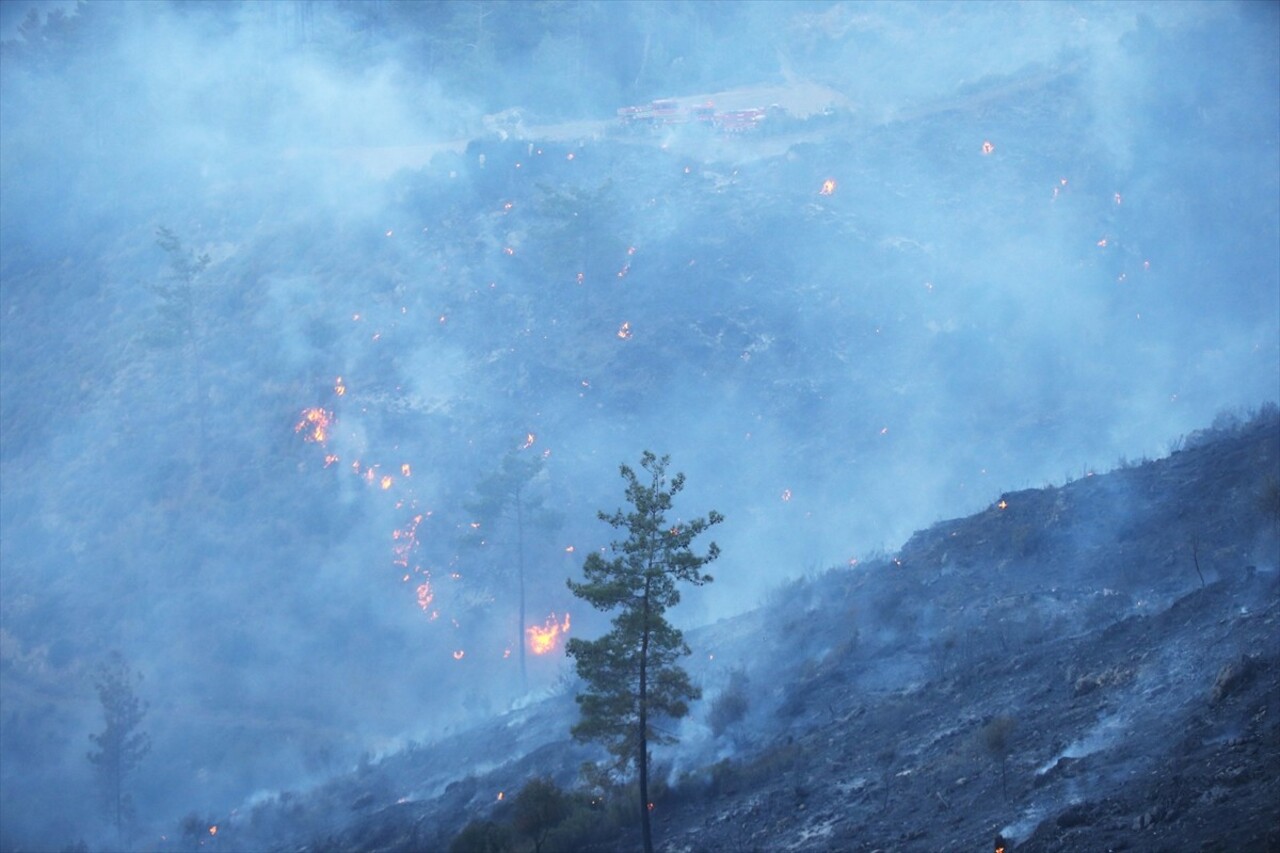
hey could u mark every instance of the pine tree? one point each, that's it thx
(121, 747)
(631, 673)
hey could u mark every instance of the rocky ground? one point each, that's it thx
(1052, 670)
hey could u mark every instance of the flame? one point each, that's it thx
(499, 796)
(828, 187)
(329, 459)
(338, 387)
(624, 331)
(385, 482)
(987, 147)
(542, 639)
(405, 470)
(1003, 504)
(529, 439)
(213, 830)
(315, 421)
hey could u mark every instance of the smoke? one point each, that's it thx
(832, 372)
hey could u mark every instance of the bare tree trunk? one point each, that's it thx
(524, 675)
(643, 758)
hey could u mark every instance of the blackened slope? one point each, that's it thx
(1075, 610)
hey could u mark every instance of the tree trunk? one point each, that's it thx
(524, 675)
(643, 757)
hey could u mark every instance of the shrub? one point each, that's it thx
(482, 836)
(539, 807)
(731, 705)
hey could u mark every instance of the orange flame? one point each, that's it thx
(315, 421)
(213, 830)
(405, 470)
(529, 439)
(542, 639)
(828, 187)
(338, 387)
(329, 459)
(1003, 504)
(385, 482)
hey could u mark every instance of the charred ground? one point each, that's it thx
(1140, 707)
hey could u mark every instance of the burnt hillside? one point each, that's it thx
(1063, 629)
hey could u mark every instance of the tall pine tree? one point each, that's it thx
(631, 673)
(121, 747)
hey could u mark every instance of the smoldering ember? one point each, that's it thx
(937, 346)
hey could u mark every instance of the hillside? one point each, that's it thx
(1144, 705)
(324, 328)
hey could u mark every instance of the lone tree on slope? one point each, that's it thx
(121, 747)
(631, 672)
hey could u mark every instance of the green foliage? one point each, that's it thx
(539, 807)
(482, 836)
(121, 746)
(631, 673)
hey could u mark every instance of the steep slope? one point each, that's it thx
(1052, 669)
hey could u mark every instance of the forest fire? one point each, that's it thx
(542, 639)
(828, 187)
(315, 421)
(425, 595)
